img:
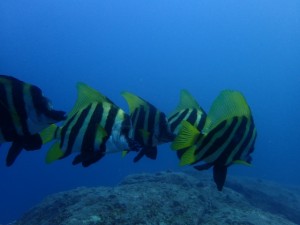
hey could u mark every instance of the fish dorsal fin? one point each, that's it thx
(227, 105)
(134, 101)
(86, 96)
(186, 101)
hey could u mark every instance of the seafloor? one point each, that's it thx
(170, 198)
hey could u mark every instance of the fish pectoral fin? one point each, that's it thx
(13, 153)
(242, 162)
(54, 153)
(48, 134)
(220, 173)
(187, 136)
(188, 157)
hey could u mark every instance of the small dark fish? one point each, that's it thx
(228, 137)
(150, 126)
(24, 112)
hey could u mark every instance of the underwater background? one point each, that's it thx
(153, 49)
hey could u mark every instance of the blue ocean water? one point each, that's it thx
(153, 49)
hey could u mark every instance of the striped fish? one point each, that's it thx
(188, 110)
(24, 112)
(150, 126)
(228, 137)
(93, 128)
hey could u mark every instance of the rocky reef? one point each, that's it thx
(170, 198)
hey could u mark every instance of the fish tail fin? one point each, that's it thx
(187, 136)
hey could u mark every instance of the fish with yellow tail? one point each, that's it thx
(149, 126)
(95, 127)
(24, 112)
(228, 137)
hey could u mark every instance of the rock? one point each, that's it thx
(170, 198)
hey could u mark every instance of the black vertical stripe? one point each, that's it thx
(109, 122)
(37, 99)
(138, 117)
(64, 130)
(218, 143)
(7, 126)
(19, 105)
(201, 122)
(90, 134)
(192, 117)
(250, 133)
(237, 138)
(174, 123)
(75, 130)
(208, 138)
(152, 123)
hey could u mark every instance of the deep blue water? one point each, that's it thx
(153, 49)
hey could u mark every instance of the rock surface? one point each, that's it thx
(169, 198)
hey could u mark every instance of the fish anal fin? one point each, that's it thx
(13, 153)
(220, 173)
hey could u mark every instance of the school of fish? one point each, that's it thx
(96, 126)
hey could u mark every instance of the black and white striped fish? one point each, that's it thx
(24, 112)
(150, 126)
(228, 137)
(94, 128)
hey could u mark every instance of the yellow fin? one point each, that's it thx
(86, 96)
(187, 136)
(48, 134)
(134, 101)
(242, 162)
(54, 153)
(227, 105)
(188, 156)
(124, 153)
(187, 101)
